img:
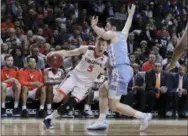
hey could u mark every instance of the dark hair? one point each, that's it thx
(7, 56)
(115, 22)
(32, 57)
(101, 39)
(13, 52)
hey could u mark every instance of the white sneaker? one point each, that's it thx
(88, 112)
(145, 121)
(99, 125)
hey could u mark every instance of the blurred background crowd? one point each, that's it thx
(36, 27)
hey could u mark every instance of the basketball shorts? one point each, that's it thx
(32, 93)
(10, 92)
(72, 84)
(118, 79)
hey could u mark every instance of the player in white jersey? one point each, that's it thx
(81, 78)
(119, 75)
(52, 79)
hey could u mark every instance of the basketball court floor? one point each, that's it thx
(78, 127)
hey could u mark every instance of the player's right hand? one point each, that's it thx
(131, 10)
(37, 84)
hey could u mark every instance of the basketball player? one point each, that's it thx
(32, 83)
(81, 78)
(10, 86)
(179, 50)
(119, 75)
(52, 79)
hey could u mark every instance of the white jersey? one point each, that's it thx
(57, 77)
(89, 67)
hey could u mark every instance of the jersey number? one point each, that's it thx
(90, 68)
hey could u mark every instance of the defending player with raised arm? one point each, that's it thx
(179, 50)
(119, 73)
(81, 78)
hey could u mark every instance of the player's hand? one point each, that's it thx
(131, 10)
(37, 84)
(94, 20)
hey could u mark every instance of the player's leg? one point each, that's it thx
(101, 123)
(24, 101)
(42, 94)
(64, 88)
(49, 98)
(17, 91)
(87, 106)
(3, 97)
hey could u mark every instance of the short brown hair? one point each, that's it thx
(7, 56)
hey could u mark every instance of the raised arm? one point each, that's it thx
(69, 53)
(107, 35)
(128, 23)
(179, 50)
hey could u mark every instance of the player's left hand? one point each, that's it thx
(94, 20)
(131, 10)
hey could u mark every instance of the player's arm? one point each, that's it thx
(128, 23)
(70, 53)
(179, 50)
(107, 35)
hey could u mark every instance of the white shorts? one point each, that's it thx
(55, 89)
(32, 93)
(9, 92)
(71, 84)
(112, 94)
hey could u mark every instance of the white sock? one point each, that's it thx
(53, 115)
(86, 107)
(15, 104)
(49, 106)
(24, 107)
(139, 115)
(3, 104)
(102, 116)
(41, 107)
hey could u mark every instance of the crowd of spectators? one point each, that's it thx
(34, 28)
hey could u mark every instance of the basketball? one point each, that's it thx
(55, 61)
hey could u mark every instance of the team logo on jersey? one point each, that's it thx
(93, 62)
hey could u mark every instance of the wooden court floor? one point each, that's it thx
(78, 127)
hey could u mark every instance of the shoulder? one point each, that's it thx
(15, 68)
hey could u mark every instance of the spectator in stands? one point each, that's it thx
(52, 78)
(136, 88)
(4, 51)
(155, 50)
(147, 66)
(40, 59)
(181, 86)
(10, 86)
(18, 57)
(13, 39)
(156, 86)
(32, 83)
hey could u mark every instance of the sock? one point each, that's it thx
(24, 107)
(139, 115)
(49, 106)
(53, 115)
(86, 107)
(102, 116)
(41, 107)
(3, 104)
(15, 104)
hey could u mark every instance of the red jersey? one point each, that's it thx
(7, 73)
(27, 76)
(147, 66)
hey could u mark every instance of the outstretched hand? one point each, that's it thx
(94, 20)
(131, 9)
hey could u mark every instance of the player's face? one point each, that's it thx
(108, 26)
(32, 63)
(100, 47)
(9, 62)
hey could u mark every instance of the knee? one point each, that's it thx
(24, 89)
(113, 105)
(43, 92)
(4, 86)
(103, 93)
(58, 98)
